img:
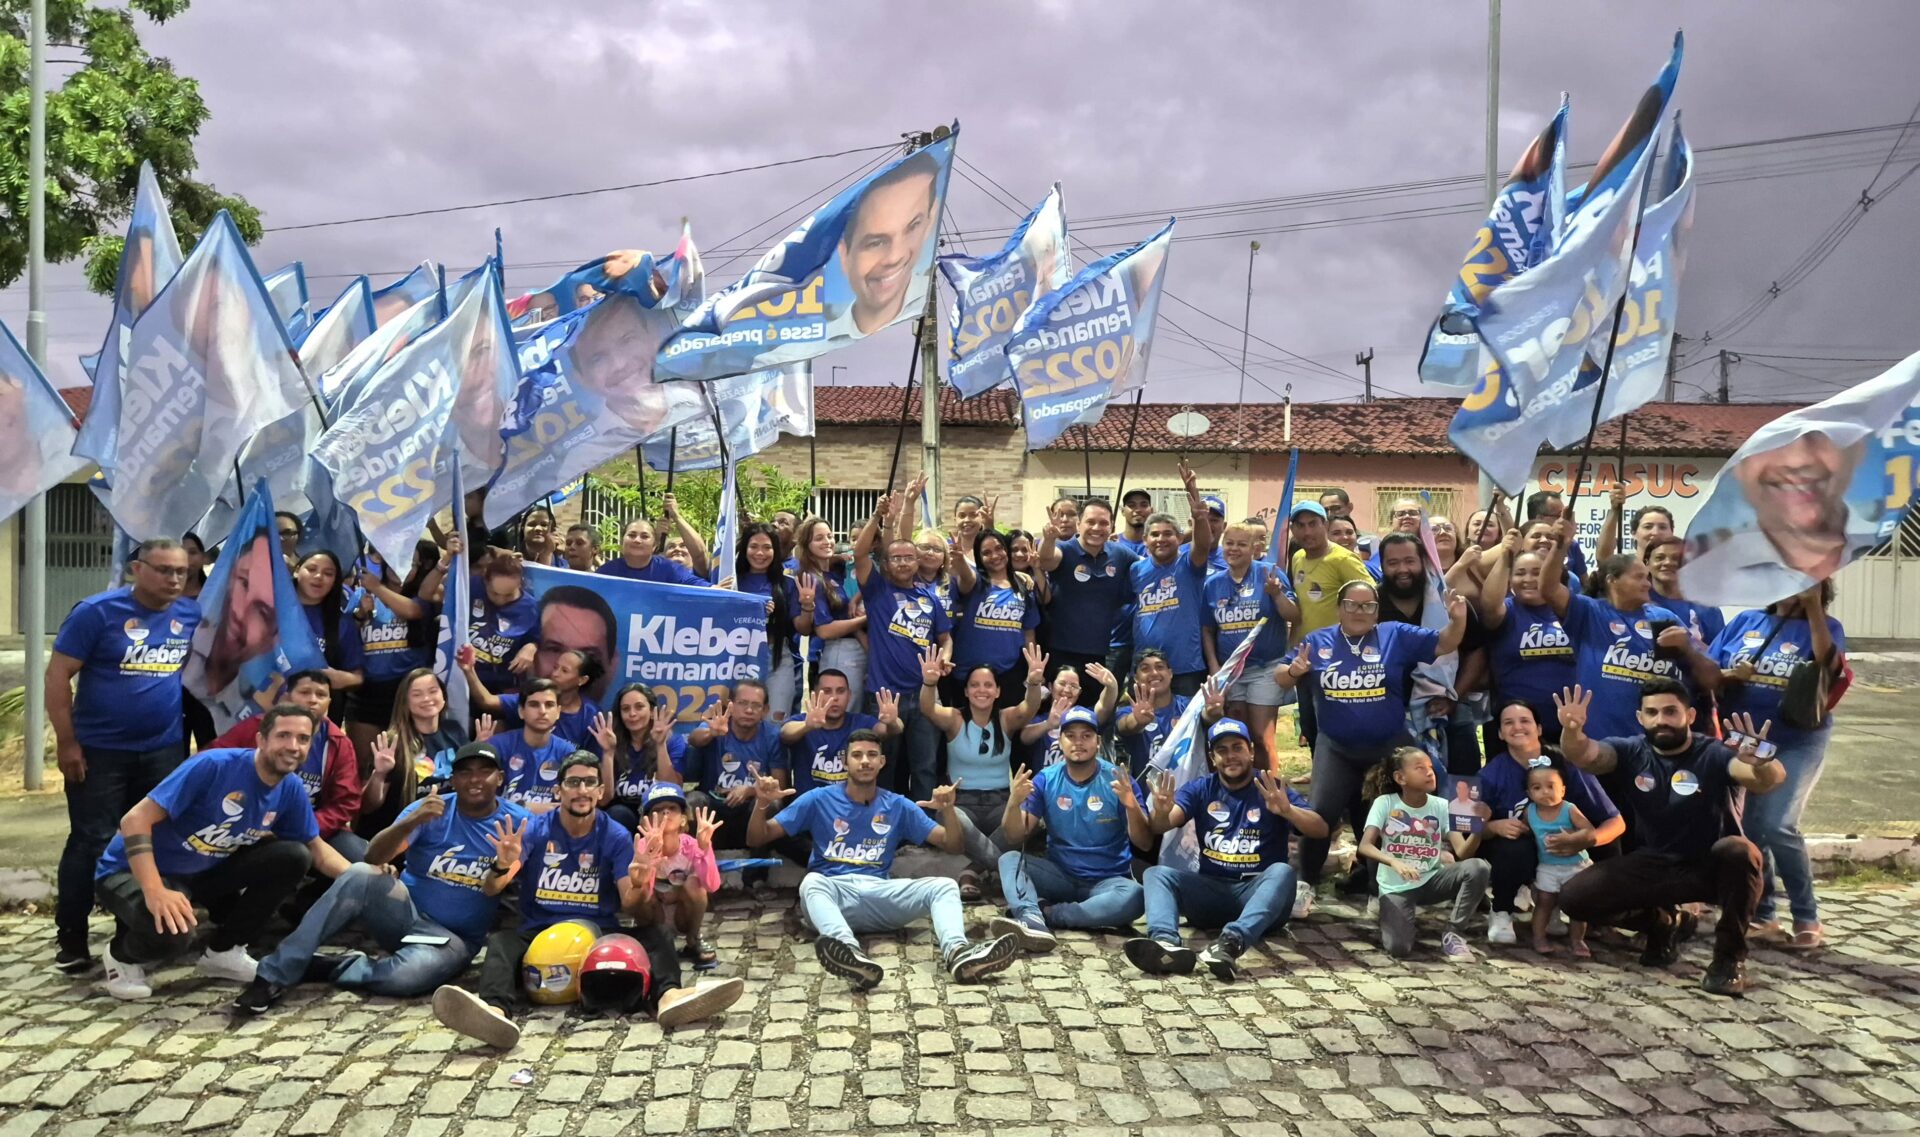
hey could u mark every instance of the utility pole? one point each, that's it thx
(1246, 330)
(929, 365)
(1673, 364)
(33, 597)
(1726, 359)
(1493, 99)
(1364, 359)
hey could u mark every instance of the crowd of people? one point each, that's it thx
(1496, 721)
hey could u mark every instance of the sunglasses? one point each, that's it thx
(1360, 605)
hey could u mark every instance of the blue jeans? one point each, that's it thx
(116, 781)
(839, 906)
(381, 905)
(1773, 823)
(1110, 902)
(1246, 907)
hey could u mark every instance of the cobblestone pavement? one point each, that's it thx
(1324, 1036)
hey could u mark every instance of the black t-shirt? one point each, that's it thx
(1676, 804)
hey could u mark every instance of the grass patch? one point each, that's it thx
(1854, 874)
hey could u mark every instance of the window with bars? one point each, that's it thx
(845, 510)
(1166, 499)
(1438, 502)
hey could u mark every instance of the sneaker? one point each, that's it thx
(234, 963)
(973, 962)
(1220, 956)
(1302, 900)
(1454, 947)
(260, 995)
(848, 962)
(684, 1005)
(1156, 957)
(460, 1010)
(1725, 977)
(126, 980)
(1500, 929)
(71, 956)
(325, 967)
(1030, 931)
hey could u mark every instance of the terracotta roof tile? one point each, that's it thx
(78, 398)
(871, 406)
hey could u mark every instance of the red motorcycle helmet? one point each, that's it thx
(616, 976)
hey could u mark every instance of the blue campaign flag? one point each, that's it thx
(331, 525)
(254, 634)
(454, 612)
(338, 329)
(726, 534)
(288, 287)
(341, 384)
(1277, 537)
(1082, 346)
(147, 263)
(1519, 232)
(656, 282)
(1808, 493)
(587, 395)
(36, 430)
(208, 367)
(757, 409)
(991, 293)
(394, 299)
(689, 644)
(1183, 752)
(441, 399)
(860, 263)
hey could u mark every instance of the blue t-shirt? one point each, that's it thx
(128, 694)
(1237, 834)
(1166, 614)
(630, 784)
(820, 757)
(345, 632)
(574, 726)
(1086, 824)
(1089, 595)
(1216, 560)
(1703, 620)
(1760, 696)
(992, 628)
(1577, 565)
(216, 806)
(901, 624)
(383, 641)
(1140, 747)
(721, 764)
(1137, 548)
(447, 864)
(1682, 803)
(496, 632)
(313, 772)
(1613, 655)
(1361, 698)
(1531, 655)
(1232, 607)
(659, 569)
(1503, 789)
(573, 878)
(850, 839)
(1542, 829)
(533, 773)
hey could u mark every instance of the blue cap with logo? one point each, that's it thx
(1081, 715)
(1313, 507)
(662, 793)
(1228, 728)
(1214, 505)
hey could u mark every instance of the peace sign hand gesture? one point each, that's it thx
(1300, 664)
(506, 839)
(1021, 789)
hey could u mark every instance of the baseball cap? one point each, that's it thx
(1127, 499)
(1214, 505)
(661, 793)
(481, 750)
(1227, 728)
(1313, 507)
(1082, 715)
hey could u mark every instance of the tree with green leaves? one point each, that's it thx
(118, 108)
(764, 491)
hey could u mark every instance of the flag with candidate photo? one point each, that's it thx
(455, 610)
(338, 329)
(757, 409)
(991, 293)
(36, 430)
(1184, 751)
(288, 288)
(859, 263)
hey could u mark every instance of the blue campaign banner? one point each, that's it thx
(390, 302)
(442, 399)
(1520, 230)
(254, 634)
(36, 430)
(1808, 493)
(454, 629)
(1084, 345)
(757, 409)
(147, 262)
(991, 293)
(689, 644)
(288, 287)
(586, 395)
(676, 281)
(339, 329)
(858, 264)
(342, 383)
(208, 366)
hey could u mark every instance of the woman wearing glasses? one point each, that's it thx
(979, 746)
(1362, 668)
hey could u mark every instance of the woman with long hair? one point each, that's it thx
(422, 740)
(1528, 651)
(540, 538)
(1040, 737)
(196, 565)
(318, 582)
(638, 747)
(757, 569)
(998, 614)
(575, 672)
(979, 740)
(827, 611)
(399, 631)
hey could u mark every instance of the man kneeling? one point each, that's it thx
(855, 827)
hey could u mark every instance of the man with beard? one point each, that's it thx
(585, 867)
(1135, 507)
(816, 743)
(1167, 591)
(1403, 598)
(229, 831)
(1685, 804)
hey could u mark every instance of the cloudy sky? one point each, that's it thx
(1227, 114)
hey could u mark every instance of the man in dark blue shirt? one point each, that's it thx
(1091, 581)
(905, 616)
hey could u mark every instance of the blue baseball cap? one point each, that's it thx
(1214, 505)
(1313, 507)
(1227, 728)
(660, 793)
(1082, 715)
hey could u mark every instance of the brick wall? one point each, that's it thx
(983, 461)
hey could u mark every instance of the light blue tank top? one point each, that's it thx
(974, 761)
(1543, 828)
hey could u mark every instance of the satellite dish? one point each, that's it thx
(1189, 424)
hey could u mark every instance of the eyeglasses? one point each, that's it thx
(904, 558)
(580, 783)
(1406, 513)
(168, 571)
(1360, 605)
(285, 533)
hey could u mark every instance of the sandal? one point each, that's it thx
(1811, 938)
(704, 957)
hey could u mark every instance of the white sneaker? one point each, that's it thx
(126, 980)
(233, 963)
(1500, 929)
(1302, 900)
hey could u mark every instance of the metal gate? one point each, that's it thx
(79, 548)
(1878, 597)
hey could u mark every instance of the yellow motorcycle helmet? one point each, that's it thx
(550, 971)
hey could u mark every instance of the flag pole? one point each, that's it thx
(33, 600)
(1086, 451)
(673, 457)
(906, 406)
(1126, 456)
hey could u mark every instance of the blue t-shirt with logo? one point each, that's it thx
(313, 772)
(1216, 560)
(994, 621)
(901, 624)
(128, 694)
(721, 764)
(383, 641)
(1362, 691)
(216, 806)
(1089, 595)
(573, 878)
(1140, 747)
(496, 632)
(533, 773)
(345, 632)
(574, 726)
(447, 863)
(1743, 639)
(1086, 824)
(850, 839)
(1703, 620)
(1237, 834)
(1233, 607)
(1503, 789)
(820, 757)
(1166, 613)
(631, 784)
(1531, 656)
(659, 570)
(1613, 655)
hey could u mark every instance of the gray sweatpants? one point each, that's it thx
(1464, 883)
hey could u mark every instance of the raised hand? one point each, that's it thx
(943, 797)
(705, 825)
(1272, 792)
(662, 720)
(806, 586)
(464, 655)
(384, 753)
(1741, 724)
(767, 790)
(1162, 792)
(432, 808)
(1300, 664)
(1021, 789)
(715, 716)
(932, 668)
(506, 840)
(1456, 605)
(1511, 542)
(645, 860)
(1142, 707)
(1572, 705)
(1122, 786)
(603, 732)
(1189, 479)
(986, 512)
(1215, 697)
(1099, 674)
(816, 716)
(1036, 664)
(888, 705)
(483, 728)
(670, 508)
(1618, 496)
